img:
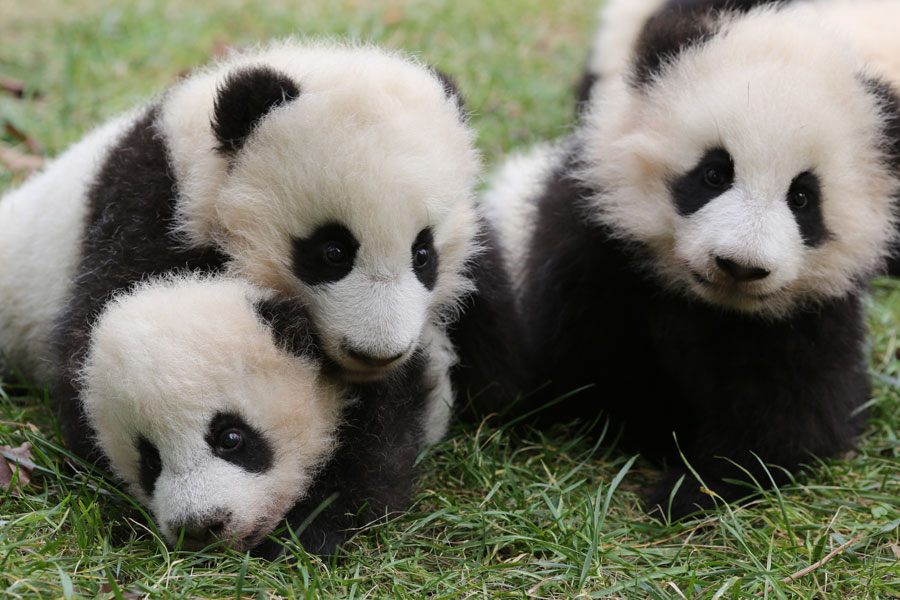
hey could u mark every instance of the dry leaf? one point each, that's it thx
(31, 143)
(14, 87)
(19, 161)
(895, 548)
(106, 589)
(9, 463)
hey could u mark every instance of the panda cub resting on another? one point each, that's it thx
(700, 246)
(342, 175)
(207, 398)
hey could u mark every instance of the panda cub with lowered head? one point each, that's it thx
(341, 175)
(217, 422)
(699, 248)
(207, 397)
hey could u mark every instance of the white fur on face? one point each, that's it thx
(163, 362)
(372, 143)
(782, 96)
(41, 226)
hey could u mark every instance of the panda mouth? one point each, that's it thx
(734, 290)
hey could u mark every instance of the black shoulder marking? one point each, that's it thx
(150, 464)
(372, 473)
(665, 36)
(128, 236)
(712, 176)
(489, 337)
(245, 97)
(325, 256)
(451, 90)
(234, 440)
(889, 99)
(289, 321)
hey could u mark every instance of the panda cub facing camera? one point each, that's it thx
(207, 397)
(214, 424)
(702, 243)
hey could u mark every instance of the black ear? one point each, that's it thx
(451, 90)
(665, 36)
(245, 97)
(289, 322)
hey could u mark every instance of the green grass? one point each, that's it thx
(499, 514)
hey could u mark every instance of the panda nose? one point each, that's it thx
(371, 359)
(741, 272)
(199, 533)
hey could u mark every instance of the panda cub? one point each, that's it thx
(700, 249)
(342, 175)
(214, 421)
(207, 398)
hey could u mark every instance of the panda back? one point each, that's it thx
(41, 228)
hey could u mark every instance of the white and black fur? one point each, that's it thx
(207, 397)
(341, 175)
(620, 23)
(215, 424)
(701, 248)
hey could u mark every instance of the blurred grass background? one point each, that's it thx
(499, 514)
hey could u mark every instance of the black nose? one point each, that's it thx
(741, 272)
(199, 533)
(371, 359)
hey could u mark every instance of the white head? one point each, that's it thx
(753, 162)
(348, 182)
(214, 427)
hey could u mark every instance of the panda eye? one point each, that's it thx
(714, 178)
(421, 257)
(334, 254)
(231, 440)
(798, 200)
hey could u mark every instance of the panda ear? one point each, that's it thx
(451, 90)
(243, 99)
(288, 320)
(665, 37)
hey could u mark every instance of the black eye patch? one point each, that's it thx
(425, 258)
(234, 440)
(804, 198)
(325, 256)
(150, 464)
(710, 178)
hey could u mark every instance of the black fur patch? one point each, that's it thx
(425, 258)
(491, 371)
(713, 175)
(234, 440)
(246, 96)
(290, 325)
(890, 106)
(721, 5)
(372, 473)
(583, 90)
(326, 256)
(665, 36)
(150, 464)
(128, 236)
(451, 90)
(805, 201)
(728, 384)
